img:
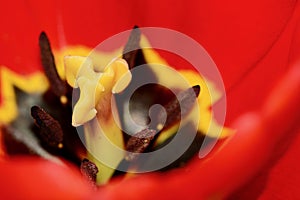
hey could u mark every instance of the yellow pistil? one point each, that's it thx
(80, 72)
(94, 108)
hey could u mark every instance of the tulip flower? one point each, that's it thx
(256, 48)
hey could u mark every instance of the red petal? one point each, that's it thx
(252, 89)
(284, 178)
(281, 181)
(18, 38)
(1, 145)
(236, 33)
(241, 158)
(33, 178)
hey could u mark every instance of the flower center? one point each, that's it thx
(102, 94)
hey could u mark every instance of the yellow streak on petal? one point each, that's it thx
(208, 96)
(33, 83)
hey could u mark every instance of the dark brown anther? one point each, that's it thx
(50, 130)
(58, 86)
(178, 107)
(138, 143)
(89, 170)
(132, 47)
(196, 89)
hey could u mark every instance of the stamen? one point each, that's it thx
(89, 170)
(177, 107)
(58, 86)
(50, 129)
(138, 143)
(133, 44)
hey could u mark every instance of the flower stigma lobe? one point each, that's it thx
(80, 73)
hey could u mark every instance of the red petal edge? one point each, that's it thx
(33, 178)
